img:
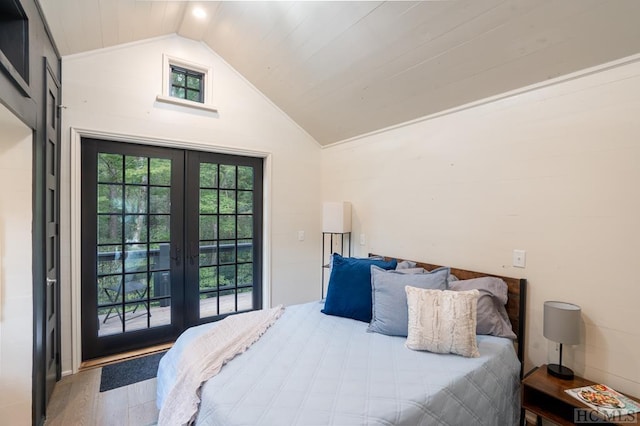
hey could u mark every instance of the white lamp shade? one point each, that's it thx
(336, 217)
(562, 322)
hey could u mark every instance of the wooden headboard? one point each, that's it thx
(516, 303)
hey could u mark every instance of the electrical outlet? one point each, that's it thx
(363, 239)
(300, 235)
(519, 258)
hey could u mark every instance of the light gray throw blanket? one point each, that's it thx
(206, 356)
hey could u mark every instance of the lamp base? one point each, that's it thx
(560, 371)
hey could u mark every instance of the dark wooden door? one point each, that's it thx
(171, 238)
(132, 246)
(52, 244)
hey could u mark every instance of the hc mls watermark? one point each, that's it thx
(582, 416)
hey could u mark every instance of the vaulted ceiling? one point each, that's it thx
(343, 69)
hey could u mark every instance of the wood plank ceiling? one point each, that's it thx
(343, 69)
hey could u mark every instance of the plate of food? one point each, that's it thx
(599, 397)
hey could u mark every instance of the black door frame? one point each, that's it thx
(95, 346)
(193, 160)
(260, 162)
(41, 392)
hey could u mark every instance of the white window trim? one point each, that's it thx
(74, 235)
(167, 62)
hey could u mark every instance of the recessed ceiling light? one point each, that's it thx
(199, 12)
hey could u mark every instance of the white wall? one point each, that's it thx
(554, 171)
(114, 90)
(16, 282)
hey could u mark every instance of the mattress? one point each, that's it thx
(313, 369)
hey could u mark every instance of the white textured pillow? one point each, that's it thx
(442, 321)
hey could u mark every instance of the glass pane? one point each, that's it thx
(109, 259)
(227, 301)
(227, 276)
(177, 92)
(245, 177)
(193, 82)
(160, 313)
(109, 229)
(208, 201)
(208, 227)
(208, 175)
(227, 252)
(159, 200)
(110, 321)
(160, 284)
(109, 290)
(135, 199)
(245, 226)
(128, 216)
(245, 274)
(135, 170)
(135, 316)
(245, 202)
(162, 303)
(159, 228)
(109, 168)
(208, 278)
(160, 256)
(227, 227)
(208, 305)
(227, 176)
(208, 253)
(160, 173)
(177, 78)
(135, 258)
(109, 198)
(135, 228)
(227, 202)
(135, 287)
(193, 95)
(245, 250)
(245, 299)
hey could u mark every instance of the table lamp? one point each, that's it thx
(561, 325)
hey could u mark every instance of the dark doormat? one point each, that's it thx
(128, 372)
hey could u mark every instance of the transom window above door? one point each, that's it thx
(187, 84)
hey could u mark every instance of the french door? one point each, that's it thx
(171, 238)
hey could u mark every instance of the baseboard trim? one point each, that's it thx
(101, 362)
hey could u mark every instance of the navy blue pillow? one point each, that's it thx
(349, 292)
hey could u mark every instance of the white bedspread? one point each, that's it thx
(204, 356)
(314, 369)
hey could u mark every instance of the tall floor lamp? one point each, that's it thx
(336, 219)
(561, 325)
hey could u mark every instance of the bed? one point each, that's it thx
(315, 369)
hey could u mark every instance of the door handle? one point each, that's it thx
(177, 256)
(193, 253)
(51, 281)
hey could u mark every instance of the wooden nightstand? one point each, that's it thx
(545, 396)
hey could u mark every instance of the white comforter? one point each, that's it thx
(205, 355)
(314, 369)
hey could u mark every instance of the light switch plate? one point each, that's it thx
(519, 258)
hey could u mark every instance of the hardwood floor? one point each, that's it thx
(77, 401)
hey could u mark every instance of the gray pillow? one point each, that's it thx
(412, 271)
(492, 314)
(390, 314)
(406, 264)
